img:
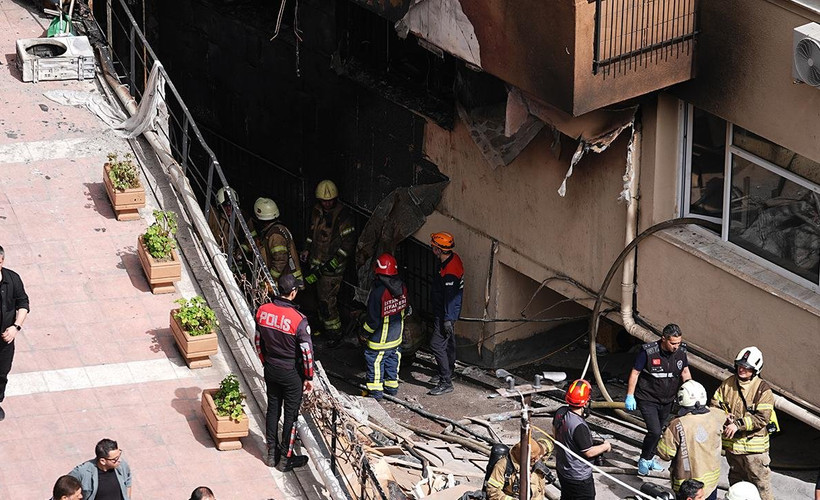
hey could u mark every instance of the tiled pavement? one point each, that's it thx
(96, 357)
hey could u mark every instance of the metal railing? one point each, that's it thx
(630, 34)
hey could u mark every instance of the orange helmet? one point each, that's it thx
(386, 265)
(444, 241)
(578, 393)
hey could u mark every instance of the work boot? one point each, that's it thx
(441, 389)
(377, 395)
(294, 462)
(391, 392)
(274, 456)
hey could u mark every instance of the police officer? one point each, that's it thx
(659, 369)
(330, 241)
(276, 242)
(749, 402)
(446, 294)
(692, 440)
(384, 327)
(284, 345)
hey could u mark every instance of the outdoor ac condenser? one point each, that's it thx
(806, 53)
(59, 58)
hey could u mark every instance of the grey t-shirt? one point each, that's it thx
(572, 431)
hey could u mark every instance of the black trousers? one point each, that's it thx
(572, 489)
(444, 350)
(655, 415)
(284, 388)
(6, 357)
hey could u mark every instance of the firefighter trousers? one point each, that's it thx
(753, 468)
(383, 369)
(327, 291)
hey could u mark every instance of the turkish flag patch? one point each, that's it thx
(656, 362)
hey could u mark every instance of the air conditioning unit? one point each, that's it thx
(59, 58)
(806, 53)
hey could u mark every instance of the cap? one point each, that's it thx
(287, 283)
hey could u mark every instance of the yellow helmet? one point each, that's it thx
(221, 198)
(265, 209)
(327, 190)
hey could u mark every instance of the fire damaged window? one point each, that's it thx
(771, 202)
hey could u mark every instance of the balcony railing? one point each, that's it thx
(630, 34)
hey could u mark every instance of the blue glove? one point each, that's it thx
(629, 402)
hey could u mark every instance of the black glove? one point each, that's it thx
(448, 328)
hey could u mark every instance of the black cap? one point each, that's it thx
(287, 283)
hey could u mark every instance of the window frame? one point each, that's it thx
(725, 220)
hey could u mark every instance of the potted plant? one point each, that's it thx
(156, 249)
(224, 415)
(194, 327)
(122, 183)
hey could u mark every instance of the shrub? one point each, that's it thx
(195, 317)
(228, 399)
(123, 173)
(159, 237)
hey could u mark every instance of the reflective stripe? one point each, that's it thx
(748, 423)
(664, 448)
(333, 324)
(377, 371)
(309, 240)
(765, 407)
(708, 479)
(297, 273)
(341, 252)
(391, 383)
(495, 483)
(275, 273)
(279, 248)
(376, 346)
(374, 387)
(347, 231)
(368, 329)
(742, 446)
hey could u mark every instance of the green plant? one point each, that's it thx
(159, 237)
(195, 317)
(228, 399)
(123, 173)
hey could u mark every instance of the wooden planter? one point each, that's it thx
(224, 431)
(161, 275)
(196, 349)
(126, 203)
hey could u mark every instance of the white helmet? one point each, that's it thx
(751, 358)
(265, 209)
(742, 491)
(691, 393)
(221, 198)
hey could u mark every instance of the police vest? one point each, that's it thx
(278, 327)
(660, 379)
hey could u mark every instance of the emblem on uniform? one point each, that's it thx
(680, 364)
(701, 435)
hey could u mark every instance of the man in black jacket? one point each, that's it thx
(13, 311)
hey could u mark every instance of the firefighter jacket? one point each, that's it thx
(279, 251)
(692, 442)
(386, 307)
(448, 288)
(331, 239)
(283, 337)
(502, 487)
(660, 378)
(752, 435)
(220, 226)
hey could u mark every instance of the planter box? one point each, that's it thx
(224, 431)
(126, 203)
(196, 349)
(161, 275)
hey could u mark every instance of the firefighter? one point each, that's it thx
(276, 243)
(219, 221)
(692, 441)
(330, 241)
(384, 327)
(504, 481)
(749, 401)
(659, 369)
(445, 294)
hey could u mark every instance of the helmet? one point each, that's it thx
(751, 358)
(327, 190)
(691, 393)
(386, 265)
(742, 491)
(221, 198)
(444, 241)
(265, 209)
(578, 393)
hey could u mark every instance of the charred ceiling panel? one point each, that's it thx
(444, 24)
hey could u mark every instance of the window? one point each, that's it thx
(770, 206)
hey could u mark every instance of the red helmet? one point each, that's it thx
(578, 393)
(386, 264)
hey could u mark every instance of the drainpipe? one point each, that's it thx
(627, 295)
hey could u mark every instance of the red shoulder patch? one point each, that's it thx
(454, 267)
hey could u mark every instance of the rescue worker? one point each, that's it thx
(742, 491)
(219, 221)
(692, 441)
(384, 327)
(571, 430)
(749, 401)
(276, 242)
(504, 482)
(659, 369)
(330, 241)
(445, 294)
(285, 348)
